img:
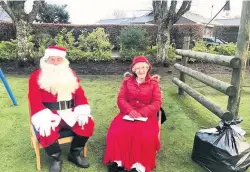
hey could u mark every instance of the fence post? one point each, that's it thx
(242, 53)
(184, 63)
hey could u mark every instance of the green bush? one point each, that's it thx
(133, 41)
(201, 47)
(98, 40)
(76, 54)
(38, 44)
(65, 39)
(228, 49)
(128, 54)
(152, 51)
(101, 55)
(171, 53)
(8, 51)
(94, 46)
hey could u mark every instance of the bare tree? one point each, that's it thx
(119, 14)
(22, 13)
(165, 17)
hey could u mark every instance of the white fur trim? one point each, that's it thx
(127, 74)
(82, 109)
(139, 167)
(41, 116)
(68, 116)
(119, 163)
(54, 52)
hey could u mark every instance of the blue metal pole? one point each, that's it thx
(8, 88)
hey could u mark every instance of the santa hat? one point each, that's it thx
(140, 59)
(55, 51)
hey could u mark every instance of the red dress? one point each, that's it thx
(36, 96)
(135, 142)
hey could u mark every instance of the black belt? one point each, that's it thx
(62, 105)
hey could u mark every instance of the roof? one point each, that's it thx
(229, 22)
(132, 20)
(196, 18)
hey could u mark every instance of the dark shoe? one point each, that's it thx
(133, 170)
(121, 169)
(54, 152)
(56, 166)
(79, 161)
(113, 167)
(76, 148)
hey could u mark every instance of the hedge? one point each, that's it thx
(227, 33)
(179, 31)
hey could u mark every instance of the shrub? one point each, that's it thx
(128, 54)
(8, 50)
(93, 46)
(152, 51)
(76, 54)
(171, 53)
(40, 43)
(228, 49)
(7, 30)
(201, 47)
(65, 39)
(133, 41)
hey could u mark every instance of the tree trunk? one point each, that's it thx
(163, 42)
(22, 34)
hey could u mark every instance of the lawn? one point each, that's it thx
(185, 117)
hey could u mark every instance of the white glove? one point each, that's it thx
(55, 121)
(44, 129)
(68, 116)
(82, 114)
(44, 120)
(82, 120)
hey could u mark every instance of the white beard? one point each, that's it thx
(58, 79)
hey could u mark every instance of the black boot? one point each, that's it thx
(121, 169)
(133, 170)
(54, 152)
(76, 148)
(113, 167)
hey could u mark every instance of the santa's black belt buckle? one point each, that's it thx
(62, 105)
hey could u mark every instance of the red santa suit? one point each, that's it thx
(70, 111)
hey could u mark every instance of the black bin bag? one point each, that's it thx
(222, 149)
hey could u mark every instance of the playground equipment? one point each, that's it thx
(7, 87)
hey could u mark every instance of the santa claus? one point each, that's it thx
(58, 101)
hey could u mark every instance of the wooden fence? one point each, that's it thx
(228, 89)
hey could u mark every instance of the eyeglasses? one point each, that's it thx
(141, 68)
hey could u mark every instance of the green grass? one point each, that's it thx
(185, 117)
